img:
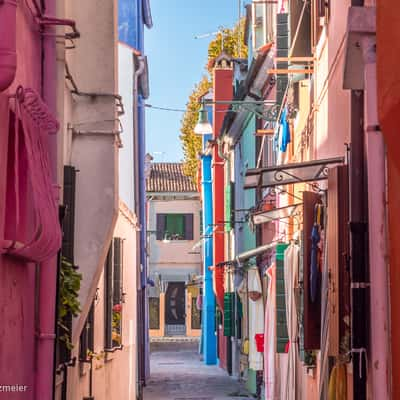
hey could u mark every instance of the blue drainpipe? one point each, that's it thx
(142, 205)
(208, 316)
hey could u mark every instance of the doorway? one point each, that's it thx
(175, 309)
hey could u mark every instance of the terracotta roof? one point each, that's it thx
(169, 177)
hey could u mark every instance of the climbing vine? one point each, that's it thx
(230, 41)
(70, 283)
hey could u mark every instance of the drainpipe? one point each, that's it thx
(375, 151)
(210, 342)
(139, 286)
(358, 243)
(48, 269)
(8, 55)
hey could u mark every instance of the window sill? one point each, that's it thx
(175, 241)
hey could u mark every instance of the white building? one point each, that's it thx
(174, 250)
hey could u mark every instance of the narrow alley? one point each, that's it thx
(178, 373)
(199, 200)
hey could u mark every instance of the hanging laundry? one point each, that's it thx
(315, 254)
(256, 317)
(271, 377)
(337, 389)
(291, 267)
(284, 132)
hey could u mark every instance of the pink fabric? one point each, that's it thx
(30, 184)
(270, 378)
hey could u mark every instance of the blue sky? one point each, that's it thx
(176, 64)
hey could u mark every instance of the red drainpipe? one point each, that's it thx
(223, 91)
(8, 54)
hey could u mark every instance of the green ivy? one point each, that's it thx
(70, 284)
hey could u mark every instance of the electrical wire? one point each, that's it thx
(186, 111)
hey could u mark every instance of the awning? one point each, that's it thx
(286, 174)
(262, 217)
(254, 252)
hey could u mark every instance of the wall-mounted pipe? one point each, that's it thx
(8, 53)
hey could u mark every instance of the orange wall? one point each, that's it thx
(394, 262)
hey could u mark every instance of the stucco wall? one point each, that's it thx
(126, 161)
(332, 128)
(174, 256)
(115, 374)
(90, 144)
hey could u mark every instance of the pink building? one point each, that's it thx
(30, 236)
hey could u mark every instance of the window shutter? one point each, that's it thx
(86, 340)
(300, 302)
(69, 218)
(281, 323)
(338, 249)
(117, 278)
(90, 322)
(228, 210)
(318, 12)
(302, 47)
(282, 44)
(312, 311)
(108, 299)
(202, 233)
(160, 226)
(188, 226)
(67, 251)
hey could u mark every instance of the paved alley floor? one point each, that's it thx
(177, 373)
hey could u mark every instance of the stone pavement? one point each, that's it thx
(177, 373)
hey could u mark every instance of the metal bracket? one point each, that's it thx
(360, 285)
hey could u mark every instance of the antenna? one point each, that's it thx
(219, 31)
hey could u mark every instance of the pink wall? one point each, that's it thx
(17, 278)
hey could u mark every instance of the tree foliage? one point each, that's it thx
(191, 142)
(230, 41)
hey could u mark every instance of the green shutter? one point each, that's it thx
(281, 325)
(175, 226)
(228, 208)
(229, 317)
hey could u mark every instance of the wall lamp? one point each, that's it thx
(256, 107)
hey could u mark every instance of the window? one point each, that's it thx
(113, 295)
(64, 323)
(86, 341)
(320, 15)
(174, 226)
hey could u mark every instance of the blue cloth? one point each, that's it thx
(314, 271)
(285, 132)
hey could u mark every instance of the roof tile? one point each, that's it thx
(169, 177)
